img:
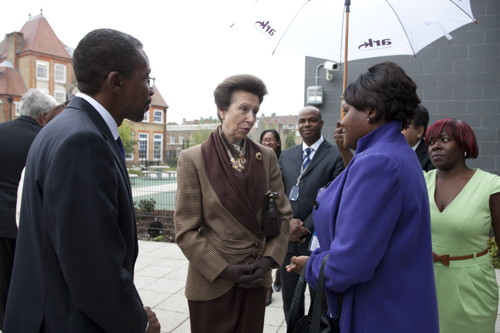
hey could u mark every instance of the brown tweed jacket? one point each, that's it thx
(210, 237)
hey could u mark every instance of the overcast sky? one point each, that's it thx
(190, 47)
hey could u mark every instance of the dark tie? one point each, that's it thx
(307, 160)
(120, 145)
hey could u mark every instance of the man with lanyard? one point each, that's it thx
(305, 169)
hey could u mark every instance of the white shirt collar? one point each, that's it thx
(106, 116)
(315, 145)
(415, 146)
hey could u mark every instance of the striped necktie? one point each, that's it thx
(120, 146)
(306, 160)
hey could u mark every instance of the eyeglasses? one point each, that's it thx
(268, 140)
(151, 80)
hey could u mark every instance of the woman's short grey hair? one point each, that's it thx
(34, 103)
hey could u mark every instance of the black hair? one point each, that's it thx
(387, 89)
(276, 136)
(103, 51)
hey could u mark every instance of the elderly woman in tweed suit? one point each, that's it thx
(221, 186)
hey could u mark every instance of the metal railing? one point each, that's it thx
(154, 200)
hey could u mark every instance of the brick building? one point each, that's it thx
(150, 135)
(186, 135)
(34, 57)
(191, 133)
(286, 126)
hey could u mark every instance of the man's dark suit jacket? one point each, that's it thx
(15, 141)
(77, 241)
(423, 156)
(324, 167)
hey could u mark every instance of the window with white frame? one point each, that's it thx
(60, 96)
(60, 73)
(172, 138)
(42, 70)
(17, 109)
(143, 146)
(181, 138)
(158, 116)
(157, 146)
(146, 116)
(129, 156)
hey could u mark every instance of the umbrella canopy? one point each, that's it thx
(376, 28)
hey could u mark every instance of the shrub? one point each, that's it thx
(493, 249)
(135, 172)
(146, 206)
(159, 238)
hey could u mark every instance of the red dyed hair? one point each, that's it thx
(459, 130)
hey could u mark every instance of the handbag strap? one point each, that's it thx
(316, 307)
(318, 304)
(318, 299)
(298, 295)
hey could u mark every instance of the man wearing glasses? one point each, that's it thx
(77, 242)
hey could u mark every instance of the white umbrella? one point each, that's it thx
(374, 28)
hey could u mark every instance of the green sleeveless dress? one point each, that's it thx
(467, 290)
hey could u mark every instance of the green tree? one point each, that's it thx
(126, 134)
(290, 139)
(209, 120)
(199, 137)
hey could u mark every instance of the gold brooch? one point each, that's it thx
(258, 156)
(239, 163)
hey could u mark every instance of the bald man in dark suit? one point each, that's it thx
(302, 185)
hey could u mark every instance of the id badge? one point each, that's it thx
(294, 193)
(314, 242)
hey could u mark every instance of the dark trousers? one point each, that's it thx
(239, 310)
(288, 284)
(7, 247)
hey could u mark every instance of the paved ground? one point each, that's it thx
(160, 275)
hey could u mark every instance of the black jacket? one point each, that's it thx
(15, 141)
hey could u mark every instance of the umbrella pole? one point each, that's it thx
(346, 49)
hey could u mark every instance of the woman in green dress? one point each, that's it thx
(464, 205)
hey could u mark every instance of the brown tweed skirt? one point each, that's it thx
(240, 310)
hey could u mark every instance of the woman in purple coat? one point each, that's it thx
(373, 220)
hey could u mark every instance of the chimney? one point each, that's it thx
(13, 42)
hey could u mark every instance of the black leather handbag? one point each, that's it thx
(271, 222)
(316, 321)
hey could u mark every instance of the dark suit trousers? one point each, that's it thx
(7, 247)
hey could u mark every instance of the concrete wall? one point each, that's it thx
(457, 78)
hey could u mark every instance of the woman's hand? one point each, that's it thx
(236, 273)
(297, 264)
(338, 135)
(258, 270)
